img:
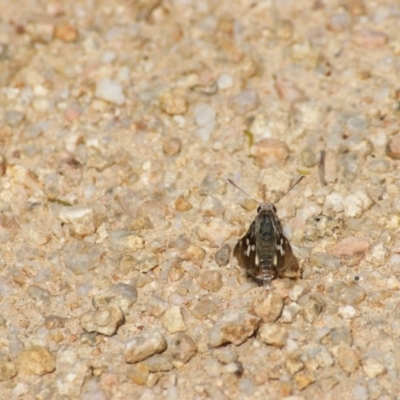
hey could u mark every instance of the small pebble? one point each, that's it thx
(348, 312)
(71, 374)
(66, 32)
(325, 261)
(393, 147)
(40, 295)
(303, 380)
(246, 386)
(216, 231)
(287, 90)
(172, 320)
(212, 207)
(346, 293)
(182, 347)
(173, 104)
(211, 185)
(119, 294)
(213, 368)
(369, 39)
(13, 117)
(339, 22)
(205, 117)
(143, 346)
(311, 308)
(126, 241)
(293, 364)
(111, 91)
(322, 356)
(224, 81)
(379, 166)
(176, 271)
(350, 246)
(194, 254)
(348, 358)
(244, 102)
(171, 146)
(104, 320)
(159, 363)
(289, 312)
(270, 152)
(226, 355)
(308, 157)
(233, 327)
(341, 335)
(269, 307)
(211, 281)
(222, 255)
(138, 373)
(7, 370)
(156, 306)
(36, 360)
(273, 334)
(372, 367)
(204, 309)
(182, 205)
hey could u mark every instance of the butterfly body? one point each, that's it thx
(264, 252)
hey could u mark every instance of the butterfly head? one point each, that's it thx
(268, 207)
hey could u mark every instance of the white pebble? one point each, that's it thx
(108, 56)
(334, 202)
(124, 74)
(348, 312)
(109, 90)
(225, 81)
(204, 116)
(72, 213)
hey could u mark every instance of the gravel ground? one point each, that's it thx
(119, 122)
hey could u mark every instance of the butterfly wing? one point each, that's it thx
(245, 252)
(287, 266)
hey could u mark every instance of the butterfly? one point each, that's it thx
(264, 252)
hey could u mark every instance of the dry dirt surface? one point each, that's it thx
(119, 124)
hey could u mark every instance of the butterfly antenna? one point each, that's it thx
(237, 187)
(298, 181)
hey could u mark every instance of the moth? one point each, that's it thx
(264, 252)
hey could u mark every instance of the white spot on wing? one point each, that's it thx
(257, 261)
(275, 261)
(248, 251)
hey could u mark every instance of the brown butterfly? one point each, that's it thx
(264, 252)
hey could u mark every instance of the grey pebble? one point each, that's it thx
(346, 293)
(120, 294)
(156, 306)
(311, 307)
(244, 101)
(226, 355)
(222, 255)
(40, 295)
(182, 347)
(13, 117)
(341, 335)
(159, 363)
(81, 257)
